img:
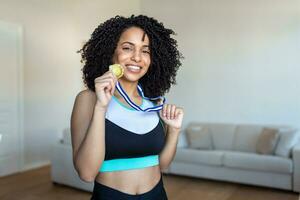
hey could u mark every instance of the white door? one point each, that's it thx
(11, 99)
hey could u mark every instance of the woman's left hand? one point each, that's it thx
(172, 116)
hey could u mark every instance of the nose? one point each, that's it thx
(136, 56)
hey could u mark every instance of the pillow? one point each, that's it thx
(267, 141)
(287, 139)
(199, 137)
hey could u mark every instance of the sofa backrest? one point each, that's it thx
(222, 134)
(232, 137)
(246, 137)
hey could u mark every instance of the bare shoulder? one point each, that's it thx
(85, 102)
(86, 96)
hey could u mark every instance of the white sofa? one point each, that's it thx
(62, 169)
(232, 156)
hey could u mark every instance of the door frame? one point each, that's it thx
(21, 97)
(20, 91)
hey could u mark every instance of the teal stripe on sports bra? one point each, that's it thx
(129, 163)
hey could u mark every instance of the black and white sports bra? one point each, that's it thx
(133, 139)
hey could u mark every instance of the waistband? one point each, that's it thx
(129, 163)
(106, 191)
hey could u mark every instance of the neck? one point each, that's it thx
(129, 87)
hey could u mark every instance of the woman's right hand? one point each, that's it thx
(105, 87)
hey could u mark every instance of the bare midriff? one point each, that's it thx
(135, 181)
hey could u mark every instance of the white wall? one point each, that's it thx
(242, 60)
(53, 32)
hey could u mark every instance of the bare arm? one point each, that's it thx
(88, 141)
(172, 117)
(169, 150)
(88, 127)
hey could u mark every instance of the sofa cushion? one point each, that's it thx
(287, 139)
(267, 141)
(199, 137)
(223, 136)
(252, 161)
(196, 156)
(246, 137)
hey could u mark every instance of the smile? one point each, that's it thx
(133, 68)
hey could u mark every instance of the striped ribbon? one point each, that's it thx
(136, 107)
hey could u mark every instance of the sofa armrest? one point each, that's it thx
(62, 169)
(296, 163)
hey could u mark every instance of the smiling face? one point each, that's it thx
(133, 53)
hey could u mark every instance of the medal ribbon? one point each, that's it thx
(136, 107)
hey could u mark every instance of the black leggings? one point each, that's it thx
(103, 192)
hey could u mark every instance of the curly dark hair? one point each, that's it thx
(98, 51)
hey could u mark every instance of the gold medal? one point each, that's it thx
(117, 70)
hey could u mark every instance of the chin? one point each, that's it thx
(132, 78)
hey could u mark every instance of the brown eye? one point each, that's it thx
(146, 51)
(126, 48)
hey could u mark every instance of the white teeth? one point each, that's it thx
(134, 67)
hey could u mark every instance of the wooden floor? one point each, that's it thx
(37, 185)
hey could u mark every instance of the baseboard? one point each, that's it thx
(35, 165)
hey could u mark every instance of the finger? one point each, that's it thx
(115, 79)
(101, 82)
(169, 111)
(105, 86)
(164, 110)
(113, 88)
(177, 112)
(173, 109)
(107, 74)
(112, 75)
(104, 80)
(107, 80)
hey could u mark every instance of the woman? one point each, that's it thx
(121, 149)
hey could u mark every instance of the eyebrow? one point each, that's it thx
(132, 44)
